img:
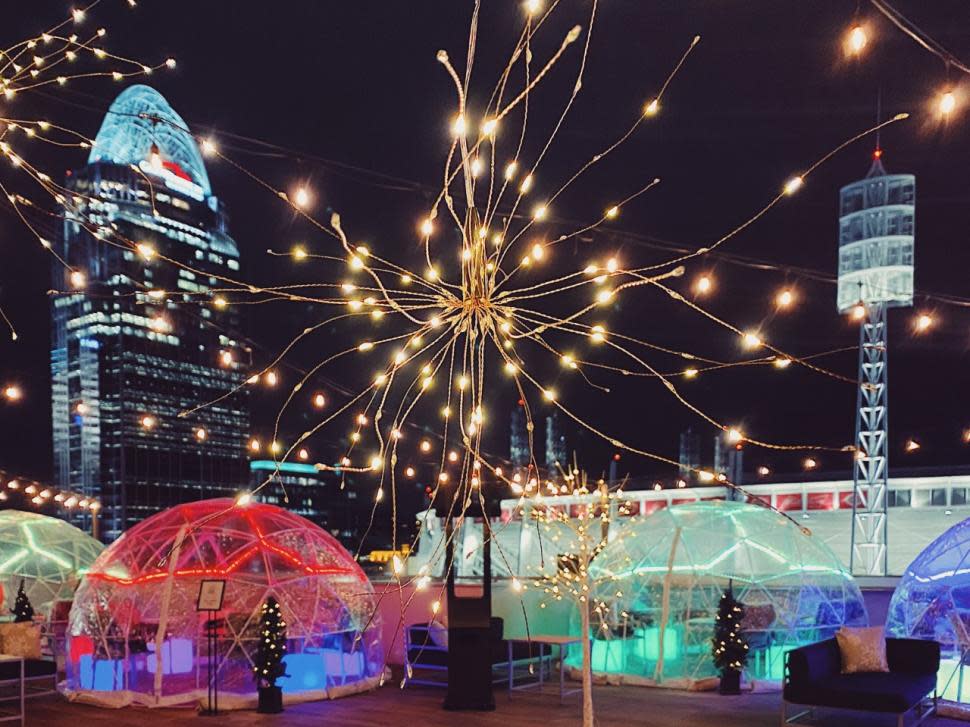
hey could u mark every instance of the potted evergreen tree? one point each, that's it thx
(268, 665)
(22, 610)
(728, 646)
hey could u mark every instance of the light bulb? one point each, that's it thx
(857, 40)
(751, 340)
(793, 185)
(302, 197)
(948, 103)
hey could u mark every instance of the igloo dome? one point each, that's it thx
(48, 554)
(135, 634)
(665, 574)
(932, 601)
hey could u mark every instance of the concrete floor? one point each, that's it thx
(418, 707)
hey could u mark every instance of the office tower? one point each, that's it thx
(139, 337)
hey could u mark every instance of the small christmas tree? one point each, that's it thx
(728, 647)
(22, 610)
(268, 665)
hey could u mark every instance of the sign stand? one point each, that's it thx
(211, 593)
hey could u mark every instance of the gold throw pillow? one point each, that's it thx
(862, 649)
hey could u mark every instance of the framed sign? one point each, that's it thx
(210, 595)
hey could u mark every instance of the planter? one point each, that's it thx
(270, 700)
(730, 682)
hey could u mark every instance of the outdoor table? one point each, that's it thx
(18, 697)
(545, 651)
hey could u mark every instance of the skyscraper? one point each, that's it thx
(138, 336)
(519, 449)
(556, 454)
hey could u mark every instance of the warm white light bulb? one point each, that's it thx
(948, 102)
(793, 185)
(857, 39)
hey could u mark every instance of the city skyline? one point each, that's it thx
(749, 290)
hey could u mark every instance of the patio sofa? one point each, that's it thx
(814, 678)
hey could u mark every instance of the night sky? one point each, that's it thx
(349, 99)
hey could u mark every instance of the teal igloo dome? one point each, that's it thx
(660, 579)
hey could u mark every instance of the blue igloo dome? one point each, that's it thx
(932, 601)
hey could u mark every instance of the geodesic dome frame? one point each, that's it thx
(135, 635)
(665, 574)
(49, 554)
(932, 601)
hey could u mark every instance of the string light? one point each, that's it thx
(750, 339)
(924, 322)
(856, 40)
(13, 393)
(793, 185)
(475, 305)
(948, 102)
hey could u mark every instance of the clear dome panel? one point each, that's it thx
(664, 574)
(932, 601)
(135, 634)
(49, 554)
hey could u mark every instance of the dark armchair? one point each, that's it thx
(814, 678)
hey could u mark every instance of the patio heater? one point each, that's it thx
(470, 626)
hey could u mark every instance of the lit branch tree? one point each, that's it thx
(577, 540)
(727, 646)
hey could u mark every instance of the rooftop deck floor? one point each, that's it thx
(416, 706)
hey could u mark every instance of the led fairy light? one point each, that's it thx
(447, 319)
(48, 61)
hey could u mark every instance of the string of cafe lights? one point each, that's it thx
(39, 494)
(456, 306)
(858, 39)
(465, 308)
(478, 306)
(483, 276)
